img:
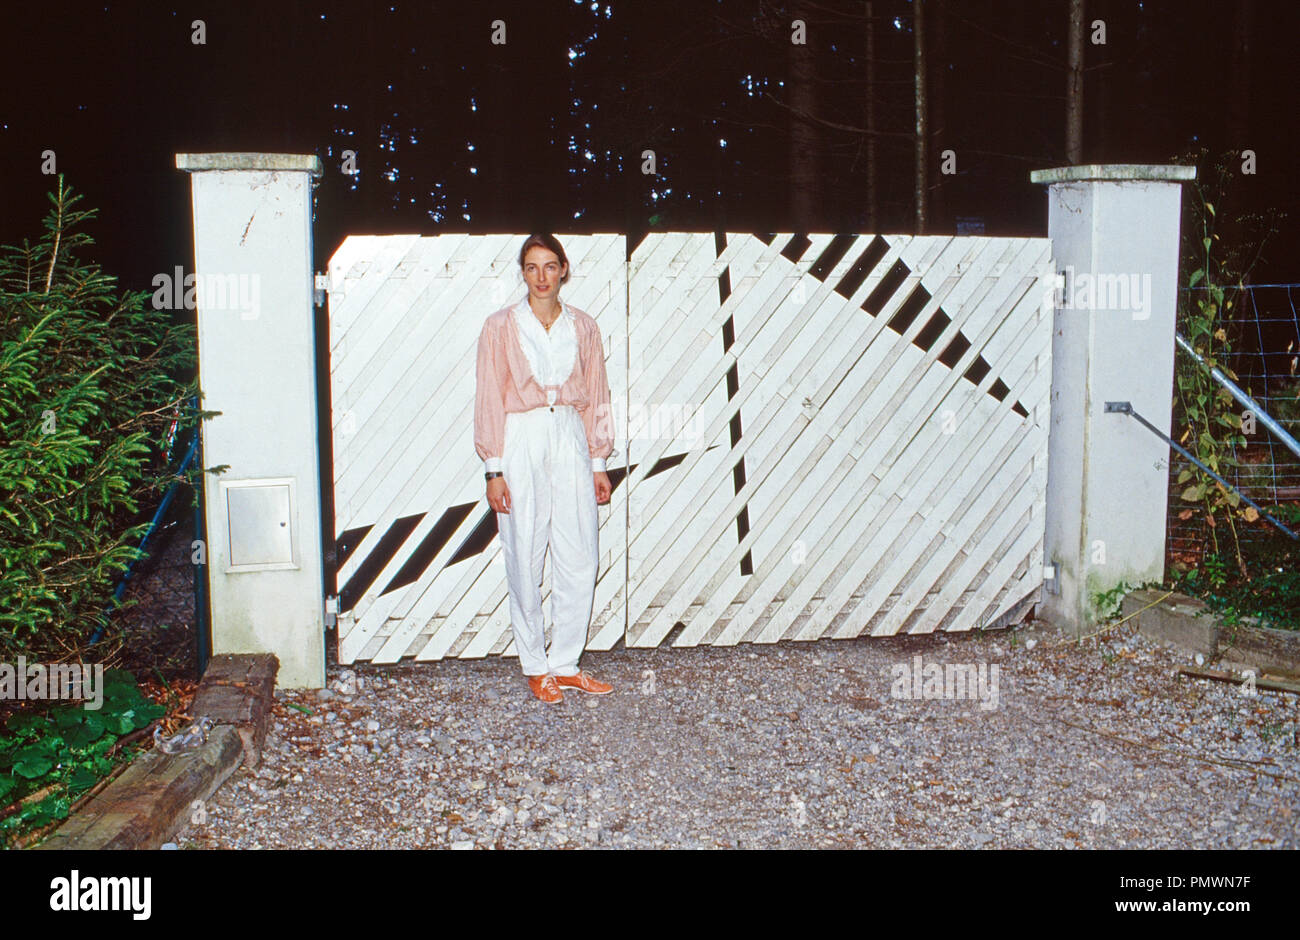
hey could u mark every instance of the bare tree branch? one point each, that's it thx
(832, 124)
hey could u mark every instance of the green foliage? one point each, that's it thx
(1272, 593)
(1206, 413)
(1207, 419)
(1109, 603)
(65, 751)
(87, 386)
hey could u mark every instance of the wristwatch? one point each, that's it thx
(493, 473)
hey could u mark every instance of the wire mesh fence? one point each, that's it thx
(1265, 337)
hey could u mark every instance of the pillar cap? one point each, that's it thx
(1119, 172)
(305, 162)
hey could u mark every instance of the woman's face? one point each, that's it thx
(542, 272)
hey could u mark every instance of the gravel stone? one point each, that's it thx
(1100, 745)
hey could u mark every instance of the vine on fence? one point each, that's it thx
(1235, 580)
(1206, 413)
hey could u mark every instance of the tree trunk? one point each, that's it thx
(918, 38)
(873, 211)
(937, 89)
(805, 142)
(1239, 75)
(501, 115)
(1229, 224)
(1074, 87)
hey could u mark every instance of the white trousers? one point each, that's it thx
(547, 468)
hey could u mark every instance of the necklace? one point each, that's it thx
(547, 326)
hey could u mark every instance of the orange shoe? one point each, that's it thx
(584, 683)
(544, 688)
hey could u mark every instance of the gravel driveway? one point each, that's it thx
(794, 745)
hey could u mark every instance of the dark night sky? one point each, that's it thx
(455, 134)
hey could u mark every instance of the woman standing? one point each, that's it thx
(542, 428)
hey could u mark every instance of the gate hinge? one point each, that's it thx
(331, 610)
(321, 283)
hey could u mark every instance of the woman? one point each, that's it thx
(541, 426)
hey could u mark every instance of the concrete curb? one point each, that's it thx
(153, 798)
(1187, 623)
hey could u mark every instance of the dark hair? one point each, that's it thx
(550, 243)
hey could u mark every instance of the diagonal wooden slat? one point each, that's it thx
(832, 529)
(684, 637)
(691, 505)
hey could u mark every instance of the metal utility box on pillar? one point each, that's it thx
(253, 292)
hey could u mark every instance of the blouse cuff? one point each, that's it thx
(597, 464)
(492, 464)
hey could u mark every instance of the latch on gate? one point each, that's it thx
(321, 284)
(331, 610)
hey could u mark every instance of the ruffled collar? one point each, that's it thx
(534, 341)
(523, 307)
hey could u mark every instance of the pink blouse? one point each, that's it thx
(505, 382)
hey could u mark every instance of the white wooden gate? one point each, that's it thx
(816, 435)
(419, 569)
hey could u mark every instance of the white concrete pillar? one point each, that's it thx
(253, 293)
(1115, 238)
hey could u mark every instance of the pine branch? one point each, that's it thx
(58, 234)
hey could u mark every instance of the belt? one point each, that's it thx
(546, 408)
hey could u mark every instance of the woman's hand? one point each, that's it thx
(603, 489)
(498, 494)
